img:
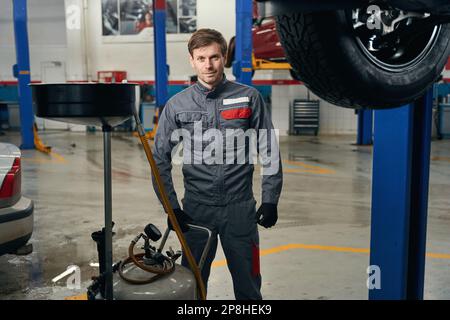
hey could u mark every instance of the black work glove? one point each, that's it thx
(182, 218)
(267, 215)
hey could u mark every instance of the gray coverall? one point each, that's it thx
(219, 196)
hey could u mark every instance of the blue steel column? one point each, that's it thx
(423, 116)
(159, 35)
(401, 154)
(365, 126)
(242, 65)
(23, 73)
(391, 200)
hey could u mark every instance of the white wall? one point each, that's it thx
(333, 119)
(47, 45)
(7, 51)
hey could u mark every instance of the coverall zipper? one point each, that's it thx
(220, 182)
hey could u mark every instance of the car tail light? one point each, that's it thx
(12, 183)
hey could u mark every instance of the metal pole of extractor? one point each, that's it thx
(108, 212)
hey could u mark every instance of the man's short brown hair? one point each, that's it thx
(205, 37)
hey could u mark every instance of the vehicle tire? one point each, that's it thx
(330, 59)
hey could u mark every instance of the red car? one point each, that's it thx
(266, 43)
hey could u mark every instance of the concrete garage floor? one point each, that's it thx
(318, 249)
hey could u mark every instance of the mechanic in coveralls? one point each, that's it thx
(218, 194)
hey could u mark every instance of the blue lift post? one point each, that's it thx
(365, 126)
(161, 69)
(401, 162)
(22, 72)
(242, 65)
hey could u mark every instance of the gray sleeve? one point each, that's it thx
(162, 152)
(268, 150)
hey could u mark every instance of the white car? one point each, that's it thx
(16, 211)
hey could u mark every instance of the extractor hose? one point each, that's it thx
(168, 208)
(166, 267)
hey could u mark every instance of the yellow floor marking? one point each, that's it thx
(34, 160)
(440, 159)
(82, 296)
(316, 171)
(312, 247)
(54, 158)
(264, 252)
(306, 168)
(59, 157)
(438, 255)
(219, 263)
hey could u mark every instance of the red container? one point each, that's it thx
(111, 76)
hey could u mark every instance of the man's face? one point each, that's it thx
(208, 62)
